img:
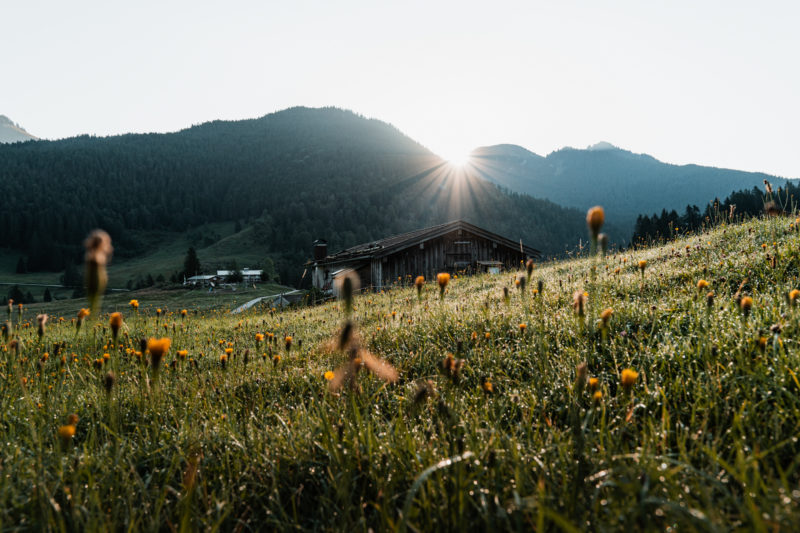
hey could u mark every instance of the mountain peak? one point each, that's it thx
(11, 132)
(504, 150)
(602, 145)
(626, 184)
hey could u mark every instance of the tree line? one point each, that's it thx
(737, 205)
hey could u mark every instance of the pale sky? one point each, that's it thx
(714, 83)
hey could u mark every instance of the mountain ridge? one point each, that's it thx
(292, 176)
(11, 132)
(304, 173)
(625, 183)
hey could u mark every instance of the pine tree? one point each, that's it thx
(16, 294)
(71, 277)
(191, 265)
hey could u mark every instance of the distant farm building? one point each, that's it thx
(452, 247)
(223, 276)
(201, 281)
(248, 276)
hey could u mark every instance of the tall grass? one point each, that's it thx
(706, 439)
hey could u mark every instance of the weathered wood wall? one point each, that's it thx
(456, 251)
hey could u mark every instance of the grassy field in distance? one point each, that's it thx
(173, 299)
(166, 256)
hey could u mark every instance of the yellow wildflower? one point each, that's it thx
(629, 377)
(594, 219)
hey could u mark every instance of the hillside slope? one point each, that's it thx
(685, 415)
(626, 184)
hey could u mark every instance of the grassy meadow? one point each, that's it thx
(165, 253)
(169, 299)
(685, 415)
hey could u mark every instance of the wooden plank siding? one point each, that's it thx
(453, 247)
(459, 250)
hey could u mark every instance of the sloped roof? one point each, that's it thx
(396, 243)
(244, 272)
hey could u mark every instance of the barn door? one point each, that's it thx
(460, 254)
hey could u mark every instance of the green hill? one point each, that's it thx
(685, 415)
(292, 177)
(217, 245)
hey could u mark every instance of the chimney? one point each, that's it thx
(320, 249)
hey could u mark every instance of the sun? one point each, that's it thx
(457, 158)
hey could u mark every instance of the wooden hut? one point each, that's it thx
(453, 247)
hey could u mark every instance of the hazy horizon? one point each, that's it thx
(710, 84)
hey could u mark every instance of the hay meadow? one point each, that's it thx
(655, 389)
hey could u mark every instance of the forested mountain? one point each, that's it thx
(289, 177)
(11, 132)
(627, 184)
